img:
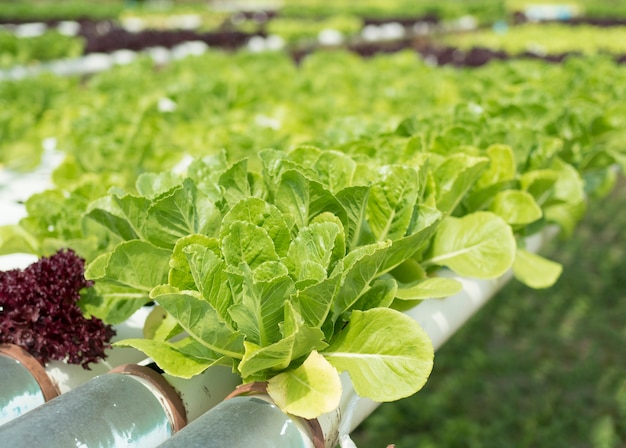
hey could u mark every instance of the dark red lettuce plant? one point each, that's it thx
(39, 311)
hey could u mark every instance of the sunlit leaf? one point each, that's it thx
(478, 245)
(308, 391)
(534, 270)
(386, 353)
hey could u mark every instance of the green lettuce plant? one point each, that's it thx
(296, 273)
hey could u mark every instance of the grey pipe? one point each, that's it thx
(24, 384)
(244, 421)
(132, 406)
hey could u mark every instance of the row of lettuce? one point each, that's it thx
(296, 34)
(283, 216)
(545, 38)
(484, 10)
(24, 10)
(49, 46)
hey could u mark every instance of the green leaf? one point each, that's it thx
(402, 249)
(97, 268)
(211, 279)
(408, 127)
(314, 245)
(112, 303)
(539, 184)
(599, 182)
(379, 295)
(545, 152)
(322, 200)
(424, 217)
(481, 199)
(315, 301)
(136, 265)
(423, 288)
(124, 279)
(455, 177)
(335, 170)
(358, 269)
(391, 202)
(305, 155)
(152, 185)
(182, 211)
(566, 206)
(200, 320)
(249, 244)
(206, 171)
(160, 325)
(502, 166)
(409, 271)
(619, 158)
(208, 167)
(262, 214)
(449, 140)
(308, 391)
(121, 213)
(235, 183)
(56, 220)
(172, 360)
(430, 288)
(386, 353)
(339, 245)
(86, 247)
(516, 207)
(292, 197)
(535, 271)
(260, 310)
(361, 266)
(479, 245)
(15, 239)
(354, 201)
(305, 338)
(298, 341)
(180, 275)
(276, 163)
(191, 347)
(303, 199)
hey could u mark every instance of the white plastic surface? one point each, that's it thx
(98, 62)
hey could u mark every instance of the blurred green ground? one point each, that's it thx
(533, 368)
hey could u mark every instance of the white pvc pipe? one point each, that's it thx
(98, 62)
(16, 187)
